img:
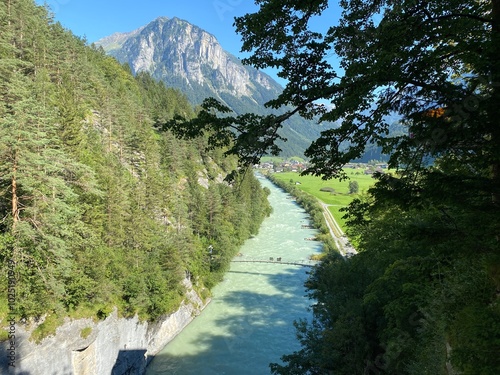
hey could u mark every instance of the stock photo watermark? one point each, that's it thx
(224, 8)
(11, 316)
(55, 5)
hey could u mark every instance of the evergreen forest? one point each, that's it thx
(99, 207)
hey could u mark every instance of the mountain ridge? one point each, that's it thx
(173, 48)
(188, 58)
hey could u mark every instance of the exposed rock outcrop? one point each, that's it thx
(185, 56)
(111, 346)
(191, 59)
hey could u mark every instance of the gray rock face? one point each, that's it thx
(190, 59)
(185, 56)
(114, 346)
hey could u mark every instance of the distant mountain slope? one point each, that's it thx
(188, 58)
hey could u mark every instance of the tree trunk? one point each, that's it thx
(15, 198)
(8, 13)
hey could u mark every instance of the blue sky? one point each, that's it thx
(95, 19)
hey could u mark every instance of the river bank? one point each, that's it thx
(257, 320)
(249, 323)
(331, 234)
(112, 346)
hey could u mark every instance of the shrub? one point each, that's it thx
(85, 332)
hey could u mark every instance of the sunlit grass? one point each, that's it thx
(339, 198)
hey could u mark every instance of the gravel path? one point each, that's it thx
(338, 235)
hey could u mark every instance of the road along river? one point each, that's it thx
(249, 322)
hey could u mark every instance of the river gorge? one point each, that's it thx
(247, 325)
(249, 322)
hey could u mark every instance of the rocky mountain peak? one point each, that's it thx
(191, 59)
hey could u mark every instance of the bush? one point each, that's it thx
(85, 332)
(327, 189)
(353, 187)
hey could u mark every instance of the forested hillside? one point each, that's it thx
(98, 208)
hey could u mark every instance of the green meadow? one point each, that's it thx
(339, 198)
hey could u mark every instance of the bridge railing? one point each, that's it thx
(279, 260)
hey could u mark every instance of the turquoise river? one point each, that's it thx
(249, 322)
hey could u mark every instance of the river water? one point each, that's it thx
(249, 322)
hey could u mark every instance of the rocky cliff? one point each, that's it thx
(188, 58)
(185, 56)
(112, 346)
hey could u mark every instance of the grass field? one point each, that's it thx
(338, 199)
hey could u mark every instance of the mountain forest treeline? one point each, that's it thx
(241, 87)
(98, 208)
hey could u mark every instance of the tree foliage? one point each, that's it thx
(353, 187)
(421, 297)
